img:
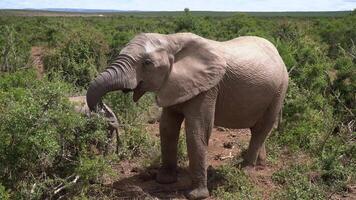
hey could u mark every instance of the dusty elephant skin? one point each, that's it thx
(239, 83)
(80, 106)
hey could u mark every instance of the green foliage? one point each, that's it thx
(14, 50)
(232, 184)
(3, 193)
(296, 185)
(343, 84)
(45, 144)
(186, 23)
(78, 58)
(42, 137)
(135, 142)
(239, 25)
(340, 32)
(182, 148)
(130, 113)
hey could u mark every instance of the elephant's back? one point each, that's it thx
(254, 61)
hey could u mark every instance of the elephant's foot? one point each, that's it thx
(249, 167)
(166, 176)
(247, 163)
(261, 162)
(198, 193)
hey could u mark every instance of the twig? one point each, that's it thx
(291, 69)
(338, 99)
(33, 188)
(350, 126)
(226, 157)
(67, 185)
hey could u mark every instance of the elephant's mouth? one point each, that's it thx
(138, 92)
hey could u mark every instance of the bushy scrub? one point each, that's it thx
(296, 184)
(343, 85)
(134, 141)
(305, 122)
(229, 182)
(128, 111)
(48, 145)
(78, 58)
(14, 50)
(44, 143)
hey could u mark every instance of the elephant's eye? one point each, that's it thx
(147, 62)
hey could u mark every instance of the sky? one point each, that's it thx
(171, 5)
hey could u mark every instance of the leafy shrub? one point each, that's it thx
(129, 112)
(233, 184)
(43, 139)
(119, 40)
(307, 118)
(134, 141)
(318, 116)
(14, 50)
(343, 84)
(296, 184)
(3, 193)
(185, 23)
(78, 58)
(287, 31)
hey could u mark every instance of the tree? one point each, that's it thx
(186, 10)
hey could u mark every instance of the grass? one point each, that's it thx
(229, 182)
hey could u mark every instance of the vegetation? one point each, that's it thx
(172, 13)
(48, 151)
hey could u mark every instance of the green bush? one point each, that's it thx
(134, 141)
(43, 138)
(129, 112)
(3, 193)
(232, 183)
(78, 58)
(307, 119)
(14, 50)
(318, 116)
(343, 84)
(296, 184)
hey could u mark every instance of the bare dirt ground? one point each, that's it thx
(36, 57)
(224, 145)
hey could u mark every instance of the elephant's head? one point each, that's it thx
(175, 67)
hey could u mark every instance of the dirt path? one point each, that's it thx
(36, 57)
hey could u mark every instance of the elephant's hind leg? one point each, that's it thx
(259, 132)
(169, 128)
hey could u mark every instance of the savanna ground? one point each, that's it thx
(48, 151)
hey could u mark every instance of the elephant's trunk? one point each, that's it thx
(119, 76)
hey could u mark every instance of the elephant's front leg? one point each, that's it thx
(169, 133)
(199, 120)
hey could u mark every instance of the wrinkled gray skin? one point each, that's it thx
(239, 83)
(80, 106)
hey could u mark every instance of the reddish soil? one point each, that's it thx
(224, 145)
(36, 57)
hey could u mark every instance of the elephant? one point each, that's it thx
(240, 83)
(80, 106)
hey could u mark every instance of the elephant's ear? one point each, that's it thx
(196, 68)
